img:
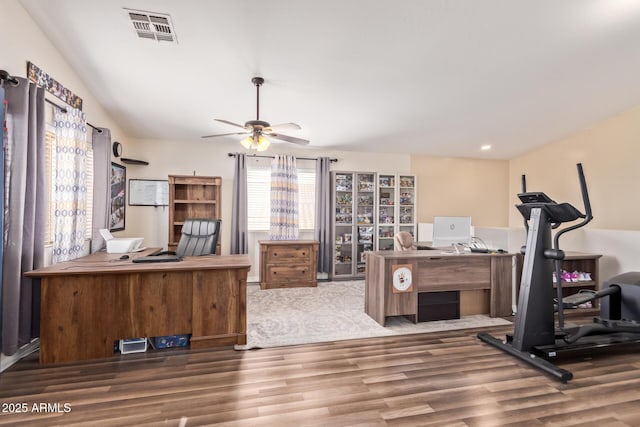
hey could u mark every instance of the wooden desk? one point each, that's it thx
(89, 303)
(484, 282)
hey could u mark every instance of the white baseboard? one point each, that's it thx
(7, 361)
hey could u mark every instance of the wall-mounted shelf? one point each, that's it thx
(133, 161)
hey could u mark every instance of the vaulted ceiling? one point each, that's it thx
(436, 77)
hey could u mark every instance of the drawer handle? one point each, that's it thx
(275, 254)
(304, 253)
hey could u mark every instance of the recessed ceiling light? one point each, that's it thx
(486, 147)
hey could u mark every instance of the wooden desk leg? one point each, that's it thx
(500, 299)
(219, 308)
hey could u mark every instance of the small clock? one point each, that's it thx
(117, 149)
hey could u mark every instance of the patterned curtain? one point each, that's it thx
(284, 198)
(70, 191)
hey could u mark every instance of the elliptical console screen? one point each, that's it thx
(534, 197)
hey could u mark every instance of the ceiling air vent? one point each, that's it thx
(153, 26)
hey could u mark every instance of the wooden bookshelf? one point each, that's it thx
(192, 197)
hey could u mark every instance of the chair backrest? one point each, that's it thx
(403, 241)
(199, 237)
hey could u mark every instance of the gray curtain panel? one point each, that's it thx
(323, 213)
(25, 222)
(101, 187)
(239, 208)
(2, 204)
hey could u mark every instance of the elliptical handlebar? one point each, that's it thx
(587, 207)
(523, 180)
(585, 195)
(556, 241)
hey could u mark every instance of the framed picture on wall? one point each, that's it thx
(118, 197)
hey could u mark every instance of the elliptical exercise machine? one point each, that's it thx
(535, 339)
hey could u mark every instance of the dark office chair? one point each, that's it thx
(199, 237)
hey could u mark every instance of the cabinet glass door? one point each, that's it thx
(386, 211)
(406, 202)
(343, 224)
(365, 219)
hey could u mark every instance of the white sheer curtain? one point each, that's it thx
(70, 190)
(284, 198)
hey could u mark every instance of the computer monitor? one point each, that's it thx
(451, 230)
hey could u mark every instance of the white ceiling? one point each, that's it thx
(436, 77)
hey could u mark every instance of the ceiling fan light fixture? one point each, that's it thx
(247, 142)
(255, 142)
(262, 144)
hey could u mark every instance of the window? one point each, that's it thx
(259, 204)
(50, 159)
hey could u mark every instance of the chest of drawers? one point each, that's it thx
(288, 263)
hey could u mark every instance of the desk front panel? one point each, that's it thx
(220, 299)
(454, 273)
(82, 318)
(83, 314)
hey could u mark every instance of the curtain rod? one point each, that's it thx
(64, 110)
(4, 75)
(271, 157)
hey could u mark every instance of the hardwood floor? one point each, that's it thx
(437, 379)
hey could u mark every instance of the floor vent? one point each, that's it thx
(152, 26)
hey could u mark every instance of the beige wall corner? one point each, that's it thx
(609, 152)
(462, 187)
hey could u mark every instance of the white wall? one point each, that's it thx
(24, 41)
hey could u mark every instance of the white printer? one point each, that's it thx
(121, 244)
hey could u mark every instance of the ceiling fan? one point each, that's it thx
(257, 129)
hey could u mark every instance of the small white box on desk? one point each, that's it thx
(133, 345)
(122, 244)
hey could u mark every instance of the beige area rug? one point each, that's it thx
(333, 311)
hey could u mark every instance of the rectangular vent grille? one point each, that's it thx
(152, 26)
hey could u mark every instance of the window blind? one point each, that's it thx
(258, 197)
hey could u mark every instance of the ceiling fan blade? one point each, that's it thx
(287, 138)
(224, 134)
(283, 126)
(230, 123)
